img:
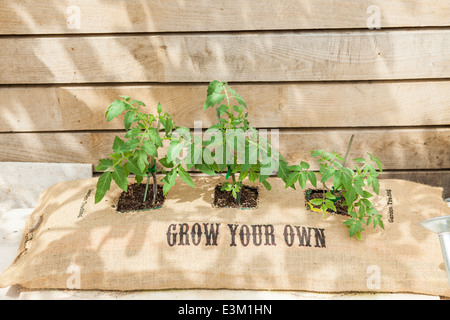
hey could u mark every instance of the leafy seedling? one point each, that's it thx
(234, 146)
(337, 180)
(138, 153)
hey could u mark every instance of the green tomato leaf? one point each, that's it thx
(252, 176)
(291, 179)
(154, 136)
(130, 116)
(141, 159)
(159, 108)
(115, 109)
(317, 201)
(120, 177)
(150, 148)
(376, 185)
(266, 185)
(174, 151)
(166, 188)
(117, 144)
(133, 167)
(165, 163)
(337, 179)
(312, 178)
(330, 205)
(302, 179)
(172, 176)
(213, 99)
(104, 164)
(103, 185)
(328, 173)
(184, 175)
(305, 165)
(205, 169)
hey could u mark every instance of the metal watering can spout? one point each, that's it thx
(441, 226)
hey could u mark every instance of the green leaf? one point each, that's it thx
(379, 164)
(263, 177)
(283, 170)
(376, 185)
(168, 126)
(104, 164)
(166, 188)
(154, 136)
(115, 109)
(330, 196)
(317, 201)
(184, 175)
(213, 99)
(139, 179)
(252, 176)
(291, 179)
(266, 185)
(355, 227)
(327, 174)
(360, 160)
(302, 179)
(174, 151)
(139, 103)
(133, 167)
(237, 97)
(103, 185)
(141, 159)
(126, 98)
(205, 169)
(330, 205)
(316, 153)
(367, 194)
(337, 179)
(295, 167)
(133, 132)
(150, 148)
(117, 144)
(305, 165)
(312, 178)
(215, 86)
(130, 116)
(130, 145)
(165, 163)
(120, 177)
(159, 108)
(172, 176)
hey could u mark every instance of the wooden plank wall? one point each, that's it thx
(316, 70)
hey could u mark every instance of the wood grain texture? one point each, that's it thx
(398, 148)
(50, 16)
(329, 104)
(439, 178)
(281, 56)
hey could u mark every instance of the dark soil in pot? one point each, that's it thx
(318, 194)
(132, 199)
(225, 199)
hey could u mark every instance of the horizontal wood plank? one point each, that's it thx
(95, 16)
(398, 148)
(409, 103)
(439, 178)
(281, 56)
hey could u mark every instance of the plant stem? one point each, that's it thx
(146, 187)
(155, 187)
(348, 149)
(238, 198)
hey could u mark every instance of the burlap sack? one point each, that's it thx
(188, 244)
